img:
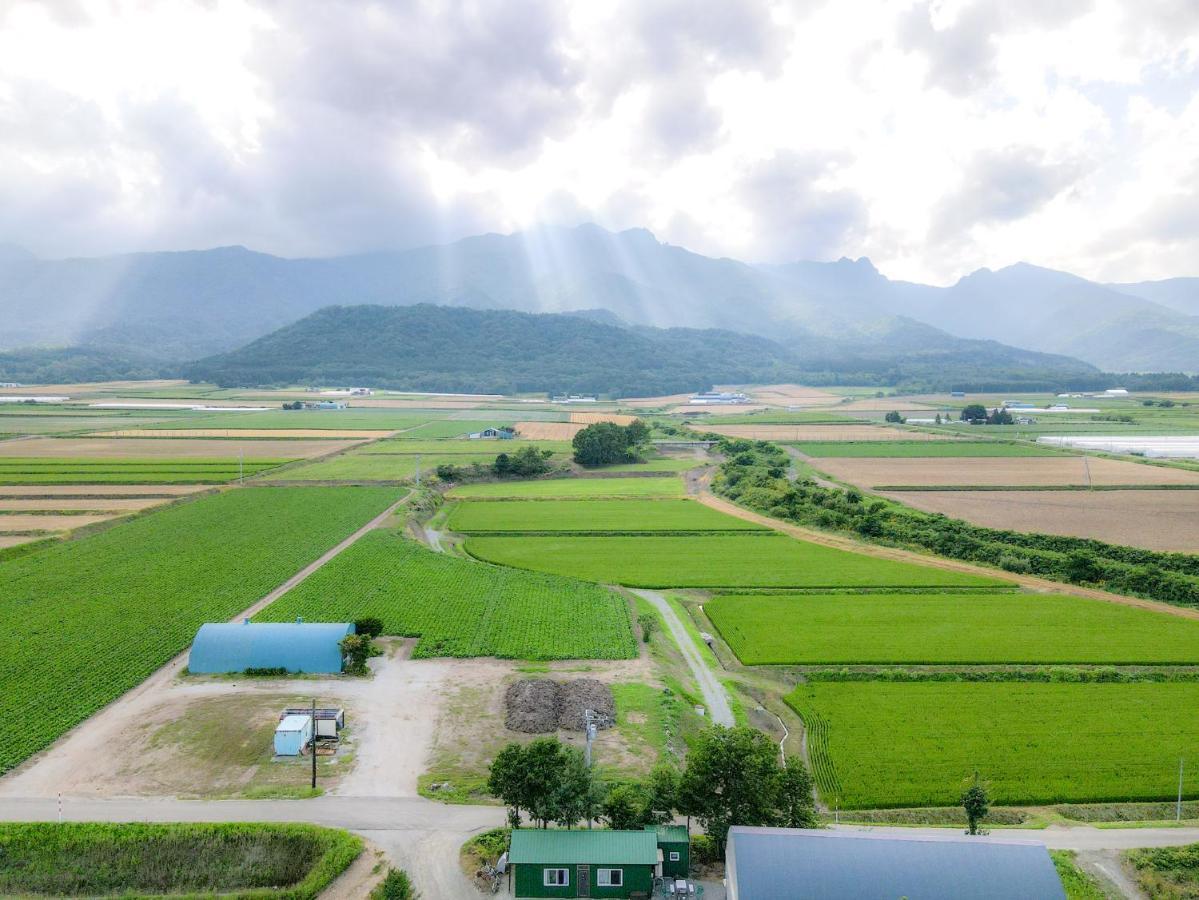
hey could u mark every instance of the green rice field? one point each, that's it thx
(592, 516)
(919, 449)
(93, 470)
(654, 464)
(749, 560)
(877, 744)
(84, 621)
(449, 428)
(455, 446)
(459, 607)
(358, 466)
(567, 488)
(971, 629)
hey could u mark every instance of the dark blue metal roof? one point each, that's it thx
(297, 647)
(798, 864)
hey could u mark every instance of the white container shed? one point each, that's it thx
(293, 734)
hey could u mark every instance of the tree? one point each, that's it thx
(733, 777)
(545, 778)
(355, 651)
(663, 793)
(371, 626)
(506, 781)
(625, 807)
(893, 416)
(605, 443)
(797, 806)
(974, 412)
(937, 418)
(999, 416)
(976, 801)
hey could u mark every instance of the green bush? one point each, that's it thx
(396, 886)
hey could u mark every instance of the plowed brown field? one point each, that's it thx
(1155, 520)
(281, 433)
(168, 448)
(47, 523)
(1020, 470)
(547, 431)
(819, 433)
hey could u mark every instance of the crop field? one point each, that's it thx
(59, 492)
(655, 464)
(749, 560)
(26, 523)
(80, 504)
(102, 613)
(174, 448)
(66, 424)
(459, 607)
(796, 433)
(566, 488)
(305, 419)
(778, 417)
(1038, 471)
(378, 466)
(240, 433)
(448, 428)
(54, 470)
(592, 515)
(548, 431)
(966, 629)
(1154, 520)
(921, 449)
(876, 744)
(451, 447)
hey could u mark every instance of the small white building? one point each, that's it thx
(293, 734)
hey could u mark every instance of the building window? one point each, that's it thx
(610, 878)
(557, 878)
(674, 856)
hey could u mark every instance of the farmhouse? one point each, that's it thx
(492, 434)
(584, 863)
(802, 864)
(718, 398)
(297, 647)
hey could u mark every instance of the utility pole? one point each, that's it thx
(418, 470)
(241, 465)
(1086, 465)
(589, 729)
(1178, 807)
(314, 743)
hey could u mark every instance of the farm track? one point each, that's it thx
(705, 496)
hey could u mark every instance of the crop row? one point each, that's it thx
(85, 621)
(459, 607)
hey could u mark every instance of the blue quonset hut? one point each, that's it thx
(298, 647)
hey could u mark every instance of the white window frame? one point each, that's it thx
(603, 878)
(675, 856)
(564, 874)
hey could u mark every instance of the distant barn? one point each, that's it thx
(297, 647)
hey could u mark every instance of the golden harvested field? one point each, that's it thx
(100, 490)
(819, 433)
(653, 402)
(1154, 520)
(99, 504)
(47, 523)
(876, 404)
(1019, 470)
(590, 418)
(281, 433)
(547, 431)
(169, 448)
(788, 395)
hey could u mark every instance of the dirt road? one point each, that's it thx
(715, 697)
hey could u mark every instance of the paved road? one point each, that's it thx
(715, 697)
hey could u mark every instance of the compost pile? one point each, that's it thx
(539, 706)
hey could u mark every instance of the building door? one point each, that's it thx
(584, 881)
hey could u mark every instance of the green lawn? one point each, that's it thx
(920, 448)
(566, 488)
(592, 516)
(878, 744)
(948, 628)
(752, 560)
(459, 607)
(84, 621)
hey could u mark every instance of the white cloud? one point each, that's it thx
(934, 137)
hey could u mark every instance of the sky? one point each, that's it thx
(933, 137)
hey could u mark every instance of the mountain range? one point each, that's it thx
(173, 307)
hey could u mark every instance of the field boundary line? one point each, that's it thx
(839, 542)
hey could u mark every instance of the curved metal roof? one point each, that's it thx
(297, 647)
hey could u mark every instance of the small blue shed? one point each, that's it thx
(296, 646)
(293, 734)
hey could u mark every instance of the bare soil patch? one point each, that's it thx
(548, 431)
(540, 705)
(26, 522)
(820, 433)
(281, 433)
(99, 504)
(591, 418)
(1154, 520)
(13, 540)
(1029, 470)
(172, 448)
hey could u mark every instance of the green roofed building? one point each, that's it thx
(675, 844)
(583, 863)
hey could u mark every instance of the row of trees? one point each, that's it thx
(754, 475)
(733, 777)
(976, 412)
(605, 443)
(528, 462)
